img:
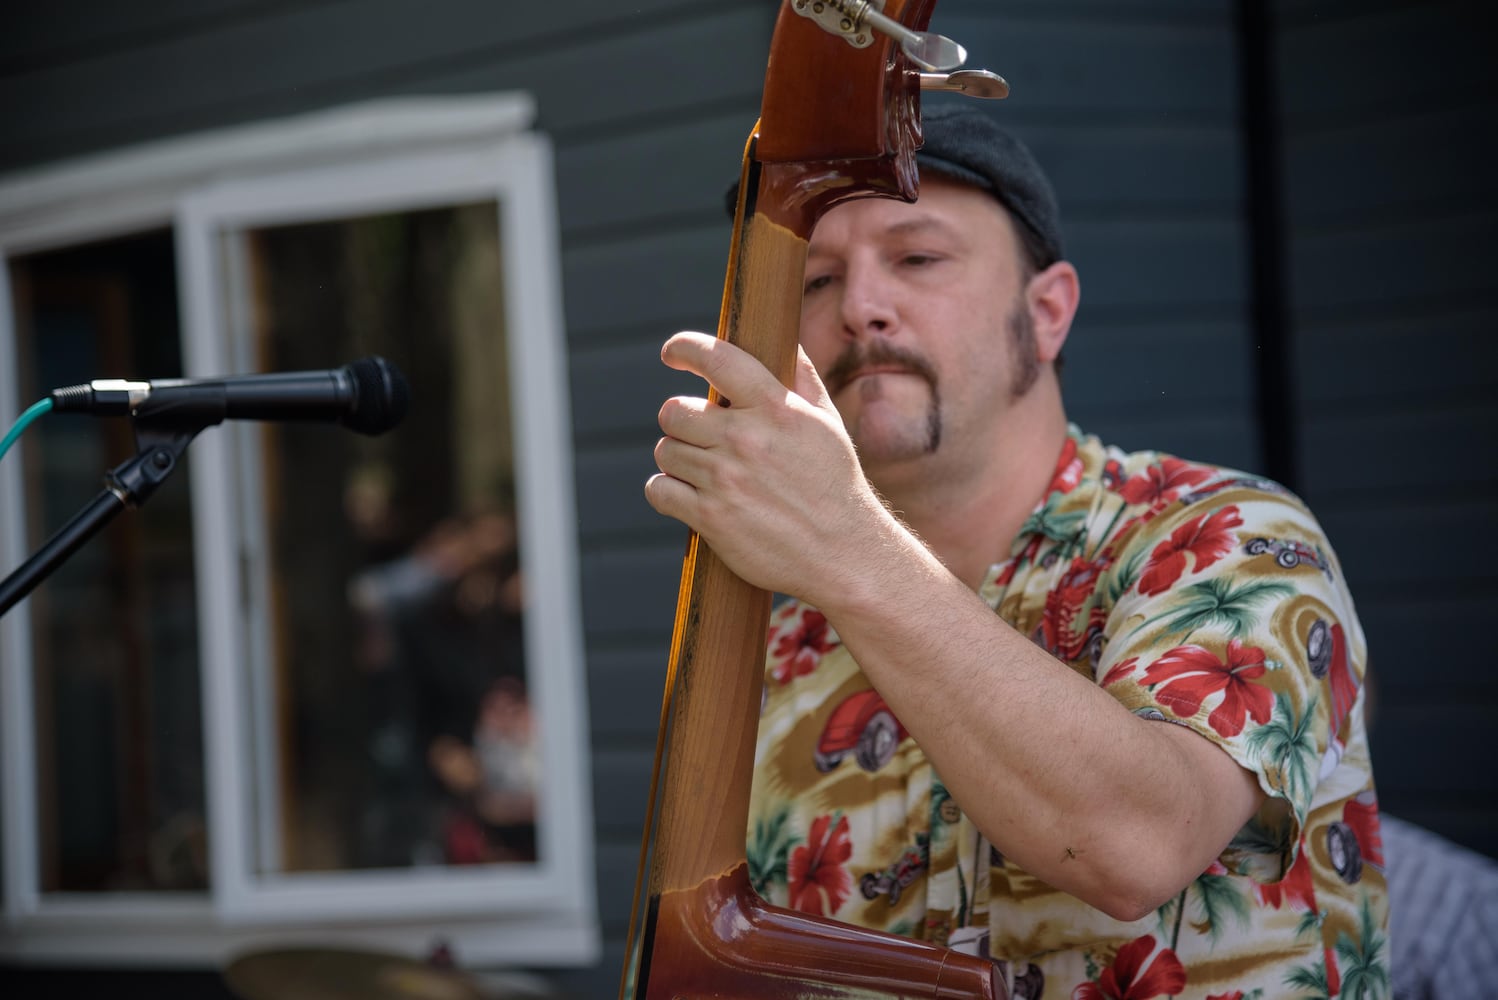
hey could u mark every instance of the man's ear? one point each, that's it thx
(1052, 297)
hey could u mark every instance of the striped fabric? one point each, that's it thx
(1443, 916)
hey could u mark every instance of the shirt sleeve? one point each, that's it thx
(1232, 618)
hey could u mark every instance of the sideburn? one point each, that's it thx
(1022, 350)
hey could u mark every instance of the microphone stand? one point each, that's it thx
(129, 484)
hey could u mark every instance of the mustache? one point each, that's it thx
(878, 353)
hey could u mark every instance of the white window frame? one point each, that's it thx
(383, 156)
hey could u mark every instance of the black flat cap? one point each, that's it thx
(965, 145)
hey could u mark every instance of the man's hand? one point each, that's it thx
(771, 481)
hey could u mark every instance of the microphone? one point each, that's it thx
(369, 396)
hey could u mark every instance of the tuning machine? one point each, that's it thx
(856, 21)
(980, 83)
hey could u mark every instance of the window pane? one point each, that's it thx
(114, 629)
(395, 696)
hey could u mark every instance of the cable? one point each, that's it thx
(36, 410)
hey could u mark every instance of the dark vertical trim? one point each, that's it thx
(1269, 319)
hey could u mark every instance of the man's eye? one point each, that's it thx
(918, 259)
(819, 282)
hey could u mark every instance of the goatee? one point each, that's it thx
(879, 353)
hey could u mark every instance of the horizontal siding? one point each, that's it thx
(282, 59)
(1397, 548)
(1392, 220)
(1455, 732)
(621, 787)
(1427, 259)
(1161, 267)
(636, 72)
(618, 388)
(1099, 67)
(1390, 169)
(1108, 168)
(628, 688)
(629, 593)
(1349, 359)
(1433, 629)
(611, 496)
(654, 280)
(1098, 377)
(660, 174)
(1347, 63)
(72, 31)
(1407, 450)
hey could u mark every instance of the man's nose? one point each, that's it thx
(868, 305)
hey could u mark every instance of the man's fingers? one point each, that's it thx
(686, 462)
(735, 373)
(689, 419)
(671, 497)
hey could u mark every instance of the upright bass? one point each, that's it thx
(840, 119)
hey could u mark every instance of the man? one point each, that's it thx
(1147, 773)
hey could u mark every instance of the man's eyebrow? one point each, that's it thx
(920, 223)
(906, 227)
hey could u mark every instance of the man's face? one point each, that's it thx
(915, 317)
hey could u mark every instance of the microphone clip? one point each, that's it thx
(159, 447)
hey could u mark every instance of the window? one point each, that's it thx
(322, 683)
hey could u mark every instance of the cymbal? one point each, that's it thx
(345, 974)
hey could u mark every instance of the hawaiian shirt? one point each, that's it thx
(1194, 595)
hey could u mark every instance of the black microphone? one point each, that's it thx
(369, 395)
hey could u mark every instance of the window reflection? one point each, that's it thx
(396, 698)
(114, 629)
(443, 637)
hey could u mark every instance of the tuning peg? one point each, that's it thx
(925, 48)
(970, 82)
(847, 18)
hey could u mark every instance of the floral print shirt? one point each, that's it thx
(1194, 595)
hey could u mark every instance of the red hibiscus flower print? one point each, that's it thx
(1295, 888)
(1208, 538)
(819, 883)
(1120, 670)
(1189, 675)
(799, 649)
(1068, 469)
(1059, 632)
(1112, 474)
(1128, 978)
(1160, 484)
(1341, 679)
(1026, 556)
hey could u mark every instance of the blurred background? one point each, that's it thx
(1283, 215)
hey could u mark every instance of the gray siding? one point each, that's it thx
(1133, 105)
(1389, 112)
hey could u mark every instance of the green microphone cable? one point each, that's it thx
(35, 411)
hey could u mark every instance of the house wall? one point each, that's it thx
(1379, 121)
(1388, 113)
